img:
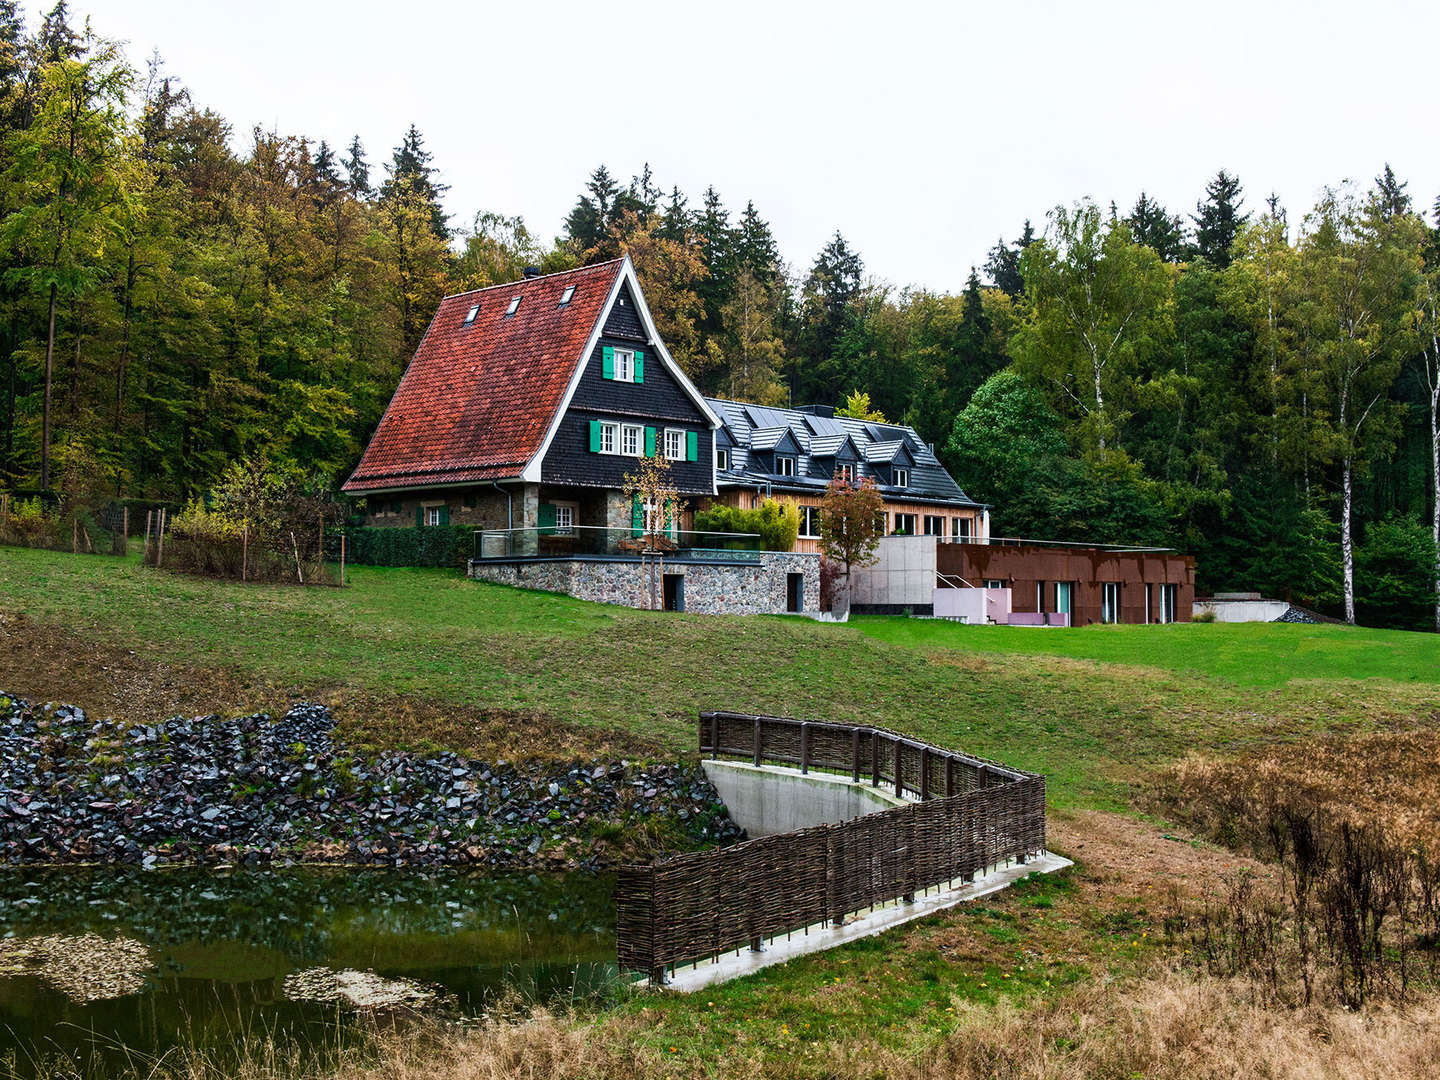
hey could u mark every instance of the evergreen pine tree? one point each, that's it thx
(1218, 219)
(357, 169)
(412, 174)
(1003, 265)
(587, 224)
(1158, 229)
(675, 221)
(1390, 192)
(756, 249)
(58, 40)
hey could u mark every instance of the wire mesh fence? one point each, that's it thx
(55, 526)
(293, 550)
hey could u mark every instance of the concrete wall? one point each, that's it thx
(967, 605)
(1243, 610)
(712, 587)
(768, 799)
(901, 577)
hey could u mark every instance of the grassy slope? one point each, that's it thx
(1090, 708)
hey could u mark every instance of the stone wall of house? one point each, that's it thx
(711, 588)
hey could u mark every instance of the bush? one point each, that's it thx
(424, 545)
(777, 523)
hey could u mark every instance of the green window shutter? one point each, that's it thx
(649, 442)
(419, 515)
(639, 366)
(546, 519)
(607, 362)
(594, 436)
(692, 446)
(637, 516)
(444, 515)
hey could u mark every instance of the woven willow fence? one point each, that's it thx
(966, 816)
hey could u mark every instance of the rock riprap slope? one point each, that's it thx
(253, 789)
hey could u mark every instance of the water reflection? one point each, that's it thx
(193, 957)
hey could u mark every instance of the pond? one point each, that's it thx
(105, 963)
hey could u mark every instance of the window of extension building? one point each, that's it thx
(995, 583)
(934, 525)
(1168, 598)
(1110, 602)
(1062, 597)
(810, 522)
(961, 526)
(904, 524)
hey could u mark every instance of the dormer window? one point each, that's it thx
(784, 465)
(900, 477)
(846, 473)
(514, 307)
(566, 295)
(470, 315)
(722, 459)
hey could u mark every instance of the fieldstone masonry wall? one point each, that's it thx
(712, 587)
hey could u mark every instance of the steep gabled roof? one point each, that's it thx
(478, 398)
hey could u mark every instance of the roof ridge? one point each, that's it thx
(537, 277)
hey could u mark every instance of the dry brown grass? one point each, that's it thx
(1390, 779)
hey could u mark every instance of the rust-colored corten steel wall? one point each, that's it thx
(1086, 569)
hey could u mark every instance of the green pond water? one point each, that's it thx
(200, 958)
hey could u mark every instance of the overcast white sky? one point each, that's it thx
(921, 130)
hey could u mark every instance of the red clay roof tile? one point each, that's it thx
(476, 401)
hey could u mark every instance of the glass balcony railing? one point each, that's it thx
(589, 540)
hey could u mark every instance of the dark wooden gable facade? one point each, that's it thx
(655, 401)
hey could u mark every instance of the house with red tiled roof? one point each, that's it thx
(525, 406)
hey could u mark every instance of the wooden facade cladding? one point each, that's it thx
(1022, 567)
(658, 402)
(744, 498)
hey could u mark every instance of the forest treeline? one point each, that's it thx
(1255, 386)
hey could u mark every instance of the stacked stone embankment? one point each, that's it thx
(252, 789)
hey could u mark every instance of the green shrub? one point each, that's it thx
(423, 545)
(777, 523)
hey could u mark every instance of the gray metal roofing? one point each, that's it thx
(818, 434)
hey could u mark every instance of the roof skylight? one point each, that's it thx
(514, 307)
(566, 295)
(470, 315)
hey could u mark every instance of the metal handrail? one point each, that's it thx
(1018, 541)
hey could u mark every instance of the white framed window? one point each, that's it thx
(564, 519)
(934, 525)
(1110, 602)
(624, 365)
(609, 435)
(1062, 597)
(1168, 597)
(962, 527)
(900, 477)
(432, 515)
(566, 295)
(905, 524)
(632, 438)
(675, 444)
(722, 459)
(810, 522)
(784, 466)
(995, 583)
(845, 472)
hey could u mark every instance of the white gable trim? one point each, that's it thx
(626, 274)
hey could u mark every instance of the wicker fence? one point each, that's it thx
(965, 816)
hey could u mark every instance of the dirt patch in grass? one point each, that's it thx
(46, 662)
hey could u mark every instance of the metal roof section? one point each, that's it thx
(753, 427)
(774, 438)
(890, 452)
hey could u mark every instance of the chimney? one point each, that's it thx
(532, 271)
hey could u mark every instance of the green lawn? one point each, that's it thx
(1091, 708)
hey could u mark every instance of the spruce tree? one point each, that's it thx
(1158, 229)
(357, 169)
(1003, 265)
(756, 249)
(587, 224)
(58, 40)
(412, 174)
(1391, 195)
(675, 221)
(1218, 219)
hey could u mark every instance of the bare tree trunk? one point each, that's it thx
(1435, 485)
(49, 379)
(1347, 546)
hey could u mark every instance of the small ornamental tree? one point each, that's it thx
(851, 523)
(652, 491)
